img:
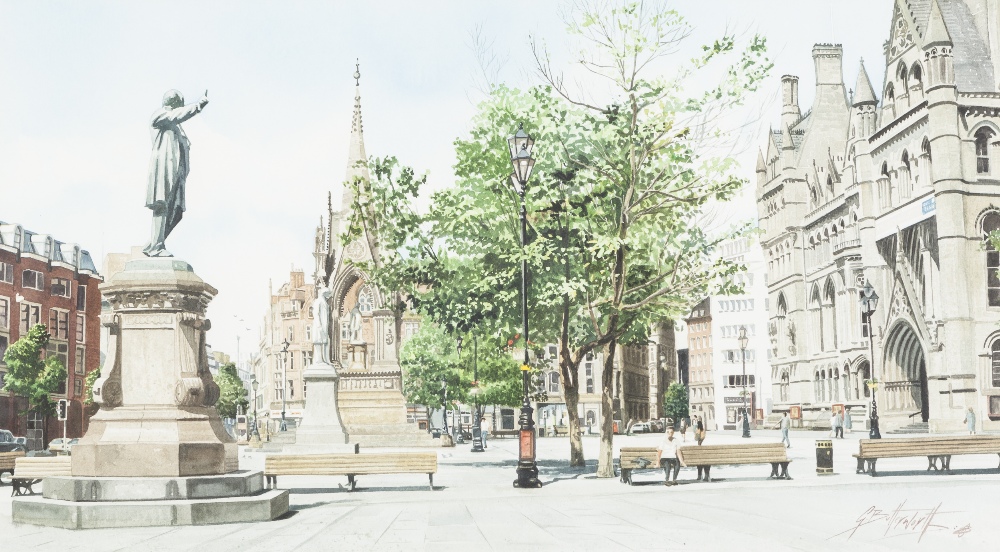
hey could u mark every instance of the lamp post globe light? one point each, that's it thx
(284, 381)
(520, 145)
(869, 300)
(743, 348)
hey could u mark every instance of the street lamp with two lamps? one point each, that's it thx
(520, 145)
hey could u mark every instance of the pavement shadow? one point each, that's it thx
(881, 472)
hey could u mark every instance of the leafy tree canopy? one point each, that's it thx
(30, 374)
(232, 394)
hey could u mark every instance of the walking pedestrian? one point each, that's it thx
(666, 457)
(970, 421)
(783, 424)
(848, 424)
(628, 428)
(833, 424)
(483, 428)
(840, 425)
(684, 426)
(699, 429)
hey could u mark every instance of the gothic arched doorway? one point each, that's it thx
(905, 372)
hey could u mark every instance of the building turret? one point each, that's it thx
(790, 112)
(938, 56)
(863, 104)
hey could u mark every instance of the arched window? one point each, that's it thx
(890, 94)
(983, 136)
(905, 186)
(991, 223)
(917, 76)
(995, 363)
(365, 300)
(901, 71)
(829, 184)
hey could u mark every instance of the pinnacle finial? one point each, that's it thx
(357, 73)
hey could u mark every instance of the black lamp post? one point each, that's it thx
(444, 405)
(477, 432)
(284, 381)
(459, 437)
(520, 145)
(869, 299)
(746, 413)
(253, 385)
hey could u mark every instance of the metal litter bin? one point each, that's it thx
(824, 457)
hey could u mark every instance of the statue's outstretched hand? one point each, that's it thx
(204, 99)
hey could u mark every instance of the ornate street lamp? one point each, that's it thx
(477, 433)
(284, 381)
(459, 438)
(869, 299)
(256, 434)
(746, 413)
(520, 145)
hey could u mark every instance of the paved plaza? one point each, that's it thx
(474, 507)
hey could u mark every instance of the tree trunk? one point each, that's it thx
(572, 395)
(605, 458)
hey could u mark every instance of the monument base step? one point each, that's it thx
(38, 510)
(396, 440)
(116, 489)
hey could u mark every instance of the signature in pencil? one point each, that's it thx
(903, 520)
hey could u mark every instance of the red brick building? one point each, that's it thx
(45, 281)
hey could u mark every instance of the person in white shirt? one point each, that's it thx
(666, 456)
(484, 427)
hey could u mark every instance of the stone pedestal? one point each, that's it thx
(157, 424)
(321, 429)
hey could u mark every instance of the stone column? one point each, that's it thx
(157, 397)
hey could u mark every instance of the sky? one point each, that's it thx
(80, 80)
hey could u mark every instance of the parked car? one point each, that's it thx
(657, 425)
(641, 427)
(9, 443)
(62, 445)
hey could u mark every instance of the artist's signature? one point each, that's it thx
(903, 520)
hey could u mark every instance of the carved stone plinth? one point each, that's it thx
(156, 453)
(157, 397)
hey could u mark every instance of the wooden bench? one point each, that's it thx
(31, 470)
(636, 458)
(351, 465)
(560, 430)
(505, 432)
(7, 461)
(706, 456)
(936, 449)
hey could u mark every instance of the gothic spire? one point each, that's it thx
(357, 160)
(863, 91)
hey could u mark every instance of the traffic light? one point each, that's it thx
(62, 408)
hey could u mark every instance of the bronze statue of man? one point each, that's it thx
(168, 168)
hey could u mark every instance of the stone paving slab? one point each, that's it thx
(476, 508)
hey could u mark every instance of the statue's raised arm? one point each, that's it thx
(168, 168)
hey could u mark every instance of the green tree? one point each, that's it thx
(616, 204)
(675, 401)
(32, 375)
(232, 394)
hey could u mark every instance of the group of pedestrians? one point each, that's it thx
(840, 420)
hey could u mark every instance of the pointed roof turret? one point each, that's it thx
(761, 165)
(357, 160)
(937, 31)
(864, 92)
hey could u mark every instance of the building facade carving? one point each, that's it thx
(896, 188)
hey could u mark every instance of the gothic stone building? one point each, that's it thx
(896, 187)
